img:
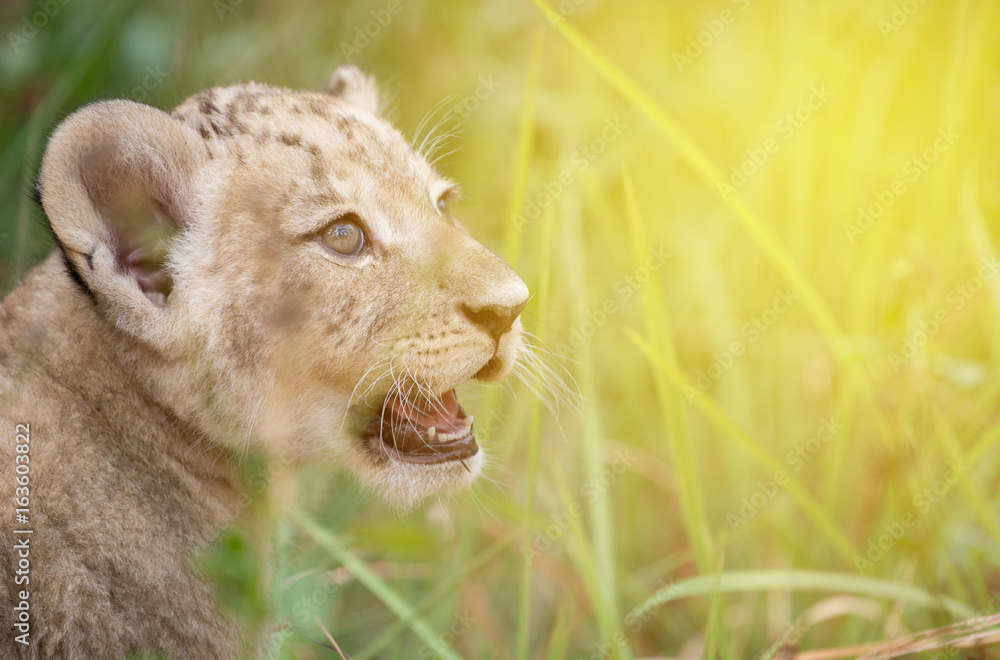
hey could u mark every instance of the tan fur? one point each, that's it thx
(140, 406)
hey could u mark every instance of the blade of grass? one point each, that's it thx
(845, 583)
(672, 409)
(989, 441)
(534, 442)
(329, 637)
(561, 632)
(512, 234)
(599, 511)
(359, 569)
(945, 436)
(523, 152)
(809, 505)
(980, 242)
(586, 564)
(715, 627)
(531, 470)
(438, 594)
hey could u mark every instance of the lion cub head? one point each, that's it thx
(282, 272)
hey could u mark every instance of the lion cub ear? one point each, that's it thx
(354, 86)
(116, 185)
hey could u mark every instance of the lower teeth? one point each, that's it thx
(433, 435)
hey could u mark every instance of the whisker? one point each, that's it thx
(427, 118)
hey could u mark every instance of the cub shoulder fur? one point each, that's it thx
(259, 269)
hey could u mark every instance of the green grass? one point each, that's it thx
(706, 428)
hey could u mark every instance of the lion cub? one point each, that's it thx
(259, 269)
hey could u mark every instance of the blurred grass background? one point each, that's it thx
(787, 423)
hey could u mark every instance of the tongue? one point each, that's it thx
(444, 414)
(425, 431)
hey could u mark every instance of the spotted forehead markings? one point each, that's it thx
(244, 103)
(322, 110)
(227, 113)
(251, 99)
(317, 164)
(317, 169)
(213, 120)
(346, 126)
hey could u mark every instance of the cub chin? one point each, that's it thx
(261, 270)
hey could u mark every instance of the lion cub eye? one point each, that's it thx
(344, 236)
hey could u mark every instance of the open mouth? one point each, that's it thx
(422, 431)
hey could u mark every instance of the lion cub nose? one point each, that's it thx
(495, 319)
(483, 288)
